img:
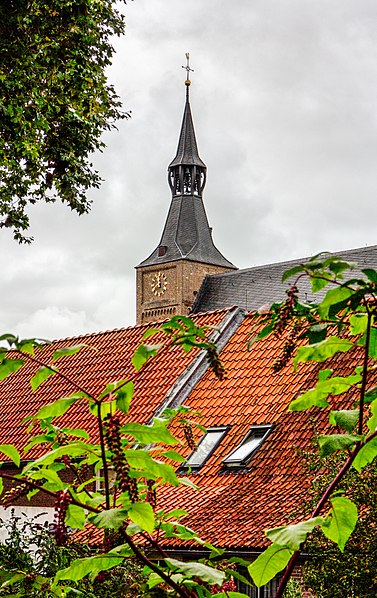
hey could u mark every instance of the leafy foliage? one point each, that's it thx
(55, 102)
(25, 566)
(344, 320)
(330, 573)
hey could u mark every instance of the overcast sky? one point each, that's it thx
(284, 100)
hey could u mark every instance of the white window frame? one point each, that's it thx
(258, 433)
(213, 429)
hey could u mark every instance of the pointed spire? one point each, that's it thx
(187, 234)
(187, 150)
(187, 172)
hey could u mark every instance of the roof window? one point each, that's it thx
(252, 441)
(206, 447)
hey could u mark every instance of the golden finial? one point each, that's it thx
(187, 69)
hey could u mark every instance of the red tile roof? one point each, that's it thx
(106, 359)
(234, 507)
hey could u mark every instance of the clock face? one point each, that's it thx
(159, 284)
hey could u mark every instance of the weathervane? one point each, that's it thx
(187, 69)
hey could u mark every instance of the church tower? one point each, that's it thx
(169, 279)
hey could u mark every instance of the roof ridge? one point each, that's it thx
(134, 326)
(292, 261)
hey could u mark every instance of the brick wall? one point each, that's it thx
(181, 282)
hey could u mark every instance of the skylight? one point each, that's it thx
(205, 447)
(252, 441)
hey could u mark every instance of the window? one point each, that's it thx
(252, 441)
(205, 447)
(267, 591)
(100, 480)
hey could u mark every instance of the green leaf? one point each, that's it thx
(142, 514)
(75, 517)
(316, 397)
(91, 565)
(292, 536)
(13, 578)
(318, 283)
(371, 274)
(334, 300)
(231, 594)
(372, 421)
(207, 574)
(292, 271)
(269, 564)
(8, 366)
(358, 323)
(57, 408)
(10, 338)
(73, 450)
(66, 351)
(151, 468)
(106, 407)
(370, 395)
(39, 439)
(345, 419)
(323, 350)
(151, 332)
(10, 451)
(372, 349)
(366, 455)
(336, 442)
(174, 456)
(109, 519)
(175, 514)
(157, 432)
(1, 485)
(341, 521)
(324, 374)
(42, 374)
(49, 475)
(78, 432)
(262, 334)
(124, 396)
(112, 387)
(317, 333)
(311, 398)
(142, 354)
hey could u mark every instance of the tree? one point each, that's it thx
(354, 570)
(344, 321)
(31, 548)
(55, 102)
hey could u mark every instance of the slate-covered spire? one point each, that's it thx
(187, 234)
(187, 172)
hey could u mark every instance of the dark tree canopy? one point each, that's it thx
(329, 572)
(55, 101)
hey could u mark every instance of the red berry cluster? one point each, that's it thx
(66, 460)
(14, 493)
(287, 310)
(118, 459)
(215, 362)
(288, 349)
(228, 586)
(151, 496)
(189, 436)
(63, 499)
